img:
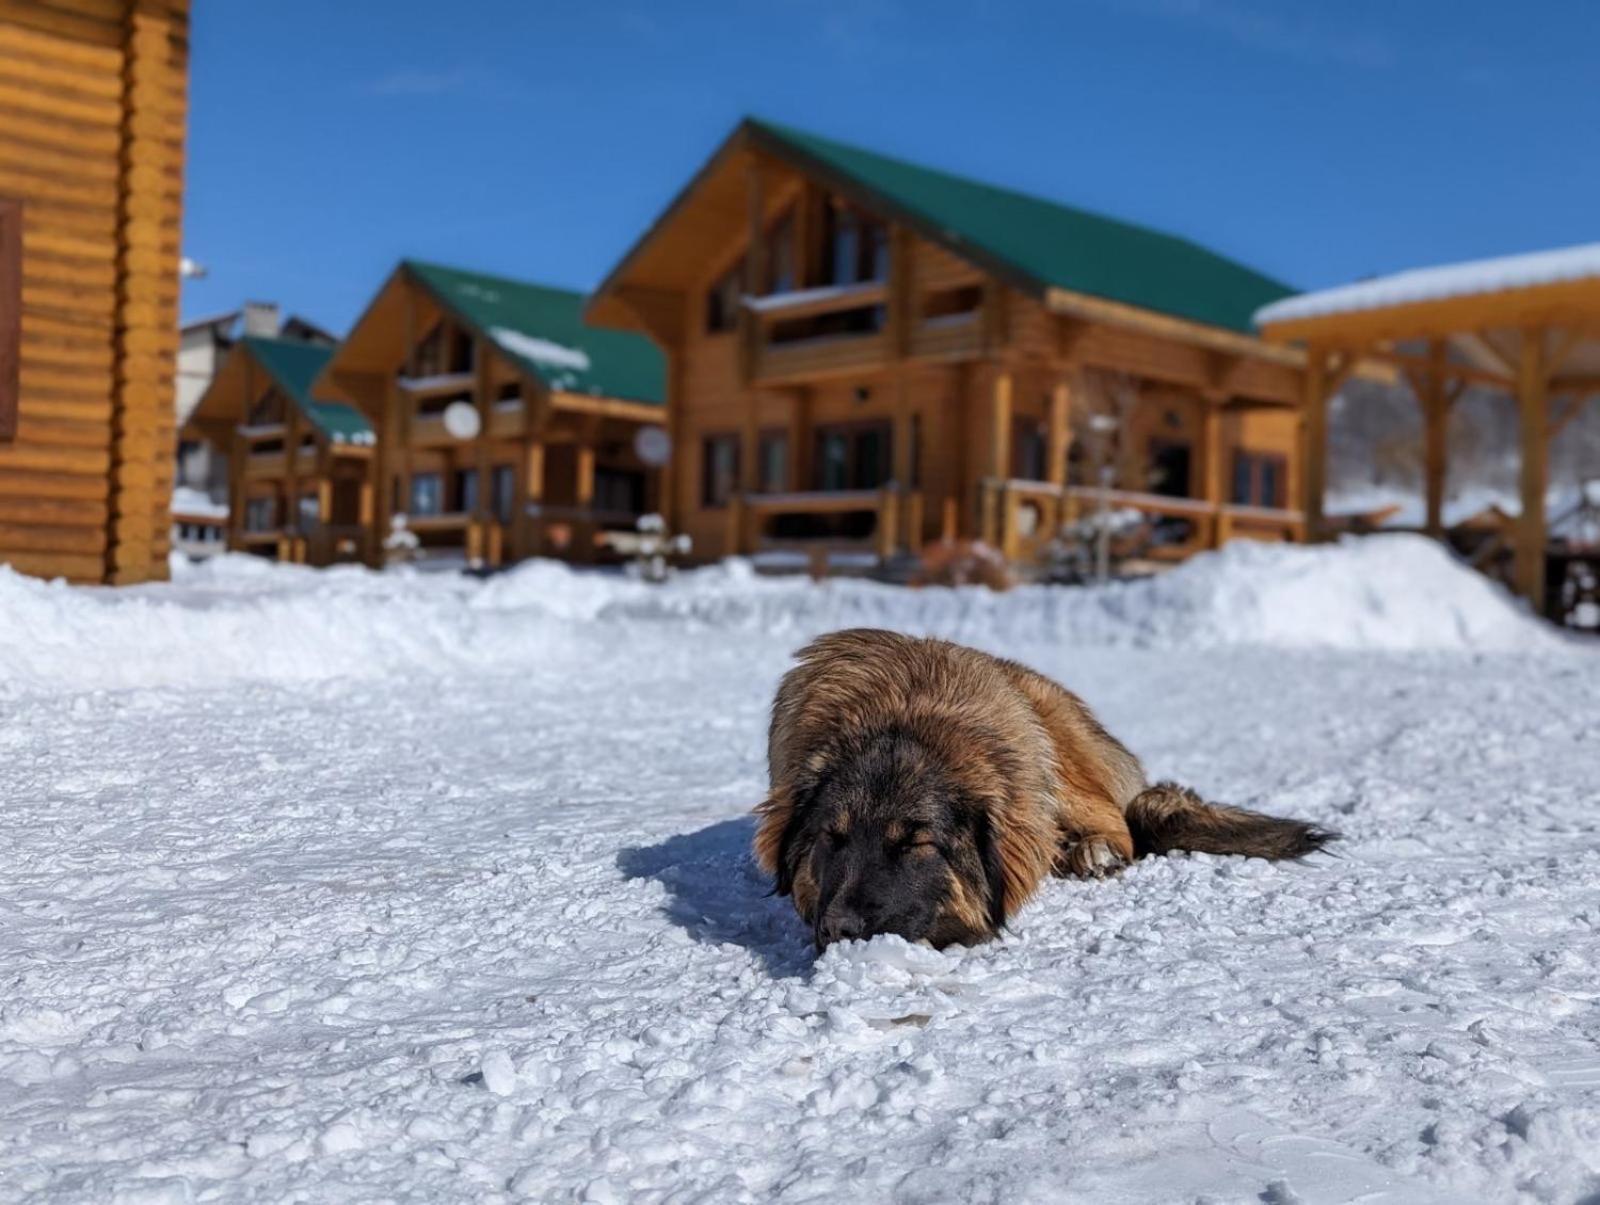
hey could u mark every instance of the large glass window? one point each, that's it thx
(1029, 450)
(855, 456)
(466, 491)
(427, 494)
(260, 514)
(1259, 478)
(723, 299)
(719, 469)
(618, 491)
(774, 462)
(504, 487)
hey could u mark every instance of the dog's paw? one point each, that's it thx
(1090, 858)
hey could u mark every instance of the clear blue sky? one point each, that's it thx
(1315, 142)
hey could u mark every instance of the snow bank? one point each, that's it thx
(237, 619)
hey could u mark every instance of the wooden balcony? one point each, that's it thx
(819, 332)
(896, 519)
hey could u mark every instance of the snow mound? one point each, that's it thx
(239, 619)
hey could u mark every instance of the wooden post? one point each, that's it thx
(1000, 426)
(1059, 437)
(291, 476)
(1314, 441)
(1532, 407)
(238, 458)
(532, 497)
(903, 445)
(1435, 432)
(483, 387)
(1211, 487)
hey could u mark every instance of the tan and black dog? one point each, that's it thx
(926, 789)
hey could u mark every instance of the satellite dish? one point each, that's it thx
(653, 446)
(462, 421)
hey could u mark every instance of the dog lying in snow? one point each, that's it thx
(926, 789)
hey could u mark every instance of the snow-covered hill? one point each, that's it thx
(349, 886)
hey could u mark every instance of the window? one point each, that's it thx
(719, 469)
(618, 491)
(1259, 478)
(427, 494)
(857, 246)
(268, 411)
(781, 274)
(853, 456)
(310, 509)
(1030, 457)
(260, 514)
(466, 490)
(503, 486)
(723, 298)
(1170, 471)
(10, 315)
(444, 349)
(773, 459)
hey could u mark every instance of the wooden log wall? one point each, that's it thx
(92, 111)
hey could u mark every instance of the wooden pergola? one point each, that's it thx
(1525, 324)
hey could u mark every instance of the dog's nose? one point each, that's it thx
(842, 925)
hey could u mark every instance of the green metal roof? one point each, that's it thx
(293, 365)
(1047, 243)
(543, 330)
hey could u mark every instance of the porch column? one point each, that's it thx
(1435, 429)
(483, 396)
(583, 490)
(291, 482)
(1533, 420)
(1059, 433)
(905, 449)
(992, 503)
(1314, 441)
(530, 543)
(1211, 482)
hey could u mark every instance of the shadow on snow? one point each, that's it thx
(717, 894)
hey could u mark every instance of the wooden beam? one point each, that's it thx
(1533, 423)
(1000, 425)
(1435, 432)
(1477, 347)
(1314, 440)
(1058, 438)
(1569, 412)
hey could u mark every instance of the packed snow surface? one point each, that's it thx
(331, 886)
(1416, 285)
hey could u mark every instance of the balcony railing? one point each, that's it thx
(837, 328)
(896, 519)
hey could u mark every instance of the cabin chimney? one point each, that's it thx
(261, 318)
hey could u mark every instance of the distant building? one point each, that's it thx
(867, 352)
(202, 346)
(506, 426)
(91, 165)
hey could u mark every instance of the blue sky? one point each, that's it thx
(1316, 142)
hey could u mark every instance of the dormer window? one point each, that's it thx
(856, 245)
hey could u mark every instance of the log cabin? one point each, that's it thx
(92, 113)
(507, 427)
(299, 466)
(866, 351)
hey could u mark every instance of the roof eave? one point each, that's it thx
(1152, 322)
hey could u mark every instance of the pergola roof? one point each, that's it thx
(1503, 274)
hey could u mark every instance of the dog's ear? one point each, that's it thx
(781, 820)
(994, 869)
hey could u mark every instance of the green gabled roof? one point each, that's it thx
(293, 365)
(543, 330)
(1049, 244)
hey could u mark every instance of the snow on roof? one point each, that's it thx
(799, 297)
(1417, 285)
(540, 351)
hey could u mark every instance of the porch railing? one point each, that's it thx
(1022, 518)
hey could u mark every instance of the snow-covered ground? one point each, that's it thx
(333, 886)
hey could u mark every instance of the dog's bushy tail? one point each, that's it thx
(1167, 817)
